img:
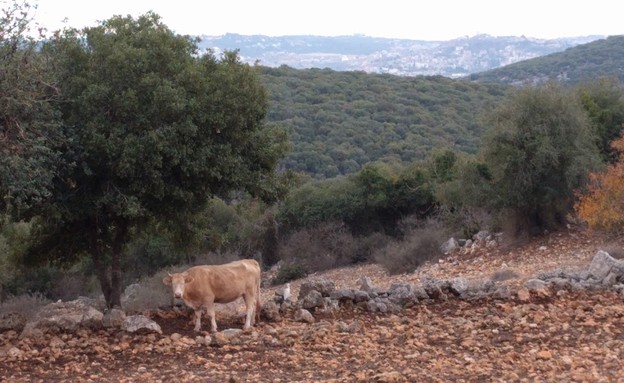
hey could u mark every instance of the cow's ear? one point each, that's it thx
(188, 279)
(167, 280)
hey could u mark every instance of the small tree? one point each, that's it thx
(539, 150)
(602, 204)
(30, 134)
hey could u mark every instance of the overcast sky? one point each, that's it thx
(419, 20)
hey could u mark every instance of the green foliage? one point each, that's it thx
(373, 199)
(30, 135)
(603, 99)
(341, 121)
(147, 254)
(289, 272)
(464, 198)
(539, 151)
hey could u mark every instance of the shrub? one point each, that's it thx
(602, 205)
(419, 246)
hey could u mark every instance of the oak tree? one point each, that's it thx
(155, 128)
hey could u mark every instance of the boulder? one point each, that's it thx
(312, 300)
(606, 268)
(63, 316)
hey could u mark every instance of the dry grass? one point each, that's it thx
(25, 304)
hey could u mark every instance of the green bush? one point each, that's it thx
(289, 272)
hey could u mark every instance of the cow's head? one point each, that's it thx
(177, 282)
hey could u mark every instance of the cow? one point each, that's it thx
(200, 287)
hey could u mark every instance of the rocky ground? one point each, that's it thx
(555, 335)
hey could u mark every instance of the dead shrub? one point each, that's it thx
(419, 246)
(24, 304)
(321, 248)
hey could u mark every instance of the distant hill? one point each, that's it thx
(340, 121)
(454, 58)
(604, 57)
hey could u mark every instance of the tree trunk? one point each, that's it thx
(102, 276)
(120, 240)
(98, 262)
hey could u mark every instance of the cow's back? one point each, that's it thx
(225, 282)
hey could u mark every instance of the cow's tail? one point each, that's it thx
(258, 297)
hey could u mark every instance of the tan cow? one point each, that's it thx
(200, 287)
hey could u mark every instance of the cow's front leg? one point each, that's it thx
(198, 315)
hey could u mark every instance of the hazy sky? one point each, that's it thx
(420, 20)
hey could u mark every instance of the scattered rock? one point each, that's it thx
(12, 321)
(303, 315)
(114, 318)
(524, 295)
(366, 284)
(271, 312)
(322, 286)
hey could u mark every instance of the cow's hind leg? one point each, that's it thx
(210, 312)
(250, 305)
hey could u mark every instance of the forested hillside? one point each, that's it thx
(340, 121)
(573, 66)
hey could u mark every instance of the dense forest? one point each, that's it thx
(340, 121)
(573, 66)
